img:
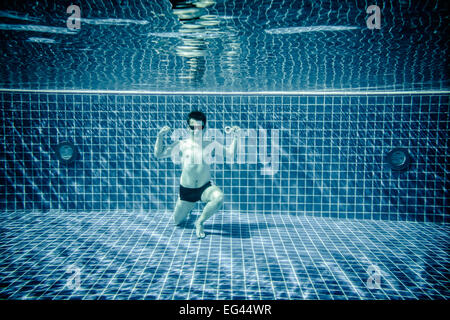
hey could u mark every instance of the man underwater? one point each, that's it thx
(195, 181)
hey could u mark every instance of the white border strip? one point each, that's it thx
(241, 93)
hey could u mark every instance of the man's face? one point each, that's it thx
(196, 125)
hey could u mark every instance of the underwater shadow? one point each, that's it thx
(234, 230)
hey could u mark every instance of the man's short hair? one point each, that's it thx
(197, 115)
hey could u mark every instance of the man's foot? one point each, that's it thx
(199, 230)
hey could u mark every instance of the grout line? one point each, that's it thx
(245, 93)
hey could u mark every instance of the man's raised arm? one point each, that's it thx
(231, 149)
(160, 150)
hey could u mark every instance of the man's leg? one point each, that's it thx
(182, 209)
(213, 196)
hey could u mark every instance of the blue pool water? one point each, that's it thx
(141, 255)
(311, 230)
(316, 213)
(239, 45)
(329, 159)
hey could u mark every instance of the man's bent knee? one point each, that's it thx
(217, 197)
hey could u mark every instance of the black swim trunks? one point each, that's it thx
(193, 194)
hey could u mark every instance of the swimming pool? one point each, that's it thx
(312, 208)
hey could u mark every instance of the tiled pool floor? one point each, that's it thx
(142, 255)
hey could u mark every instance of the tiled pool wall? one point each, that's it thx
(331, 155)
